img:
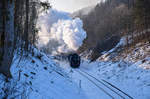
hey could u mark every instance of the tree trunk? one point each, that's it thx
(8, 48)
(26, 25)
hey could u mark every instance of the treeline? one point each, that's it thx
(113, 19)
(141, 12)
(17, 28)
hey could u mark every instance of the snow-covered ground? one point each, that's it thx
(130, 78)
(130, 73)
(40, 76)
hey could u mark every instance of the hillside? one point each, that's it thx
(82, 12)
(36, 77)
(127, 71)
(111, 20)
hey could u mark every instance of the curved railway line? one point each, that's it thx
(106, 84)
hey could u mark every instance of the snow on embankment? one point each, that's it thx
(130, 71)
(136, 53)
(59, 33)
(130, 78)
(38, 77)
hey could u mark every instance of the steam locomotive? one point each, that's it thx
(74, 60)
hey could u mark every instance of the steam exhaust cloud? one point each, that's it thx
(59, 33)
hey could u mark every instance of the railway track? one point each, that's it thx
(105, 84)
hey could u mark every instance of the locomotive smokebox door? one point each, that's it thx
(74, 60)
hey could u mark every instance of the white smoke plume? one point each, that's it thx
(60, 33)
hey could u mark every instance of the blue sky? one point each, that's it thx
(72, 5)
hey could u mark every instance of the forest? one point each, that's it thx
(113, 19)
(17, 28)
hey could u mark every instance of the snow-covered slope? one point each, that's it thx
(38, 77)
(129, 72)
(128, 77)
